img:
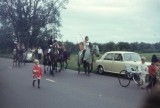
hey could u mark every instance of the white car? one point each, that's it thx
(28, 55)
(115, 61)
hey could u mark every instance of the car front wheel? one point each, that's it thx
(100, 70)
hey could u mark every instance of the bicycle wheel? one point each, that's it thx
(136, 79)
(123, 78)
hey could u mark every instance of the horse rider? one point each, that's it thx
(61, 50)
(23, 49)
(17, 48)
(63, 47)
(52, 41)
(86, 44)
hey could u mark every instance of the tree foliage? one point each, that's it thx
(29, 19)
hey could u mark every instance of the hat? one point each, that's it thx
(154, 58)
(55, 40)
(36, 60)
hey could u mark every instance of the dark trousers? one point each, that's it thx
(152, 82)
(83, 53)
(39, 56)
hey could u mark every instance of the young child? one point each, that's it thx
(37, 73)
(143, 70)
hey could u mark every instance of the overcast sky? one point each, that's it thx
(112, 20)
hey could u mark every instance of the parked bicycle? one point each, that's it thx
(125, 76)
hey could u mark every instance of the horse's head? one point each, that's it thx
(45, 53)
(95, 50)
(54, 48)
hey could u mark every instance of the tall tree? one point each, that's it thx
(29, 17)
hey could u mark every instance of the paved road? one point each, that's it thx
(67, 89)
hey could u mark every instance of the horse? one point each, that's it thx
(18, 58)
(89, 58)
(64, 56)
(22, 55)
(46, 61)
(54, 56)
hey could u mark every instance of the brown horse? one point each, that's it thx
(54, 56)
(64, 56)
(18, 58)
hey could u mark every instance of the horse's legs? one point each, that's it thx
(60, 66)
(19, 60)
(84, 66)
(44, 69)
(88, 69)
(50, 68)
(91, 68)
(53, 68)
(66, 64)
(16, 62)
(24, 60)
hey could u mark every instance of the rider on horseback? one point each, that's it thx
(23, 47)
(51, 42)
(17, 49)
(63, 47)
(86, 44)
(23, 50)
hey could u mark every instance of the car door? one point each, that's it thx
(107, 62)
(118, 63)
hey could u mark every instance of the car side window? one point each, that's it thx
(118, 57)
(109, 56)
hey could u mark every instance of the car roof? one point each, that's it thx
(120, 52)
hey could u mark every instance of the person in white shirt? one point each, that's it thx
(40, 53)
(86, 44)
(142, 70)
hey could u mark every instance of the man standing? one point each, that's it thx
(36, 53)
(40, 53)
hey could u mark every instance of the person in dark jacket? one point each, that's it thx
(152, 69)
(51, 42)
(36, 53)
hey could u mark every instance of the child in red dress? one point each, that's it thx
(37, 73)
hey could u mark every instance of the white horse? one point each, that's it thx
(88, 58)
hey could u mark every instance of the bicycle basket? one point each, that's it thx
(130, 69)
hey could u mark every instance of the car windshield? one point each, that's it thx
(131, 57)
(29, 52)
